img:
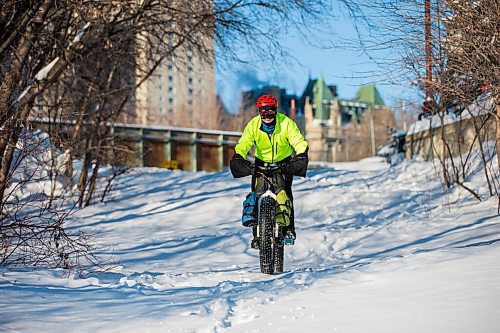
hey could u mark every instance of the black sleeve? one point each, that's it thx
(297, 165)
(240, 167)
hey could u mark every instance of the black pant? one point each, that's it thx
(288, 189)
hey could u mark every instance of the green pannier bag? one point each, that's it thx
(283, 209)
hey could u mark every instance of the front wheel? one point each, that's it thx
(279, 251)
(267, 215)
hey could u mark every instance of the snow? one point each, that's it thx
(79, 36)
(432, 122)
(42, 74)
(23, 93)
(482, 105)
(379, 249)
(34, 169)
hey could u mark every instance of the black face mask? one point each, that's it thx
(268, 112)
(268, 116)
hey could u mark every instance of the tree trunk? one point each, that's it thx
(82, 181)
(5, 166)
(498, 133)
(8, 153)
(77, 130)
(93, 181)
(9, 87)
(443, 152)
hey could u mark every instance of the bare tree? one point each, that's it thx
(82, 62)
(33, 223)
(473, 53)
(449, 50)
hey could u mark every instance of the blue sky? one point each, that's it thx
(338, 66)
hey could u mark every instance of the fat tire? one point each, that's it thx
(267, 214)
(279, 250)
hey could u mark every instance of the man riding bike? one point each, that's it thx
(277, 139)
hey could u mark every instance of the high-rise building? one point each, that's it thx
(180, 93)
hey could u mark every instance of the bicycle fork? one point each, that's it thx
(268, 193)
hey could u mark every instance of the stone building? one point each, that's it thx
(337, 129)
(340, 129)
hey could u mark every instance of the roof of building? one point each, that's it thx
(320, 95)
(368, 93)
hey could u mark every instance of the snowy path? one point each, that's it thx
(377, 250)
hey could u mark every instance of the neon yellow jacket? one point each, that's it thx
(271, 147)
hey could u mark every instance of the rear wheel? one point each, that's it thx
(267, 214)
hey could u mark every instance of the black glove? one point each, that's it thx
(240, 167)
(297, 166)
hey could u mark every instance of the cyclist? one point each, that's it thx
(277, 139)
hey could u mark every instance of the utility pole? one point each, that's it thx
(372, 131)
(428, 57)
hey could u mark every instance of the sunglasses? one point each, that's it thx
(267, 113)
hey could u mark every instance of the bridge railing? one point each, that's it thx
(167, 147)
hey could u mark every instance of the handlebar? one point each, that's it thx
(268, 168)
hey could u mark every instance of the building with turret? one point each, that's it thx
(341, 129)
(336, 129)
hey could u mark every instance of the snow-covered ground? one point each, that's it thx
(484, 104)
(379, 249)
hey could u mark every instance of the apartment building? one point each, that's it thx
(181, 93)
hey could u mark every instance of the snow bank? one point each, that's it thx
(379, 249)
(482, 105)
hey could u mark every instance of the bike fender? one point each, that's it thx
(268, 193)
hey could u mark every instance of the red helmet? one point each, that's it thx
(266, 100)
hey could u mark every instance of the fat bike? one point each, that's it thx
(270, 219)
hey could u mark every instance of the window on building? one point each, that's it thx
(190, 102)
(170, 67)
(171, 101)
(190, 91)
(170, 89)
(170, 78)
(189, 58)
(190, 80)
(190, 69)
